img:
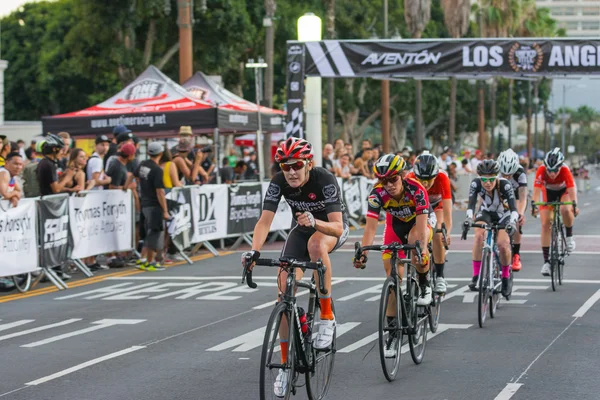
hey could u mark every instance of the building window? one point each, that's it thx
(558, 11)
(590, 11)
(572, 25)
(590, 25)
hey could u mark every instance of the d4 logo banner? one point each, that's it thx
(209, 212)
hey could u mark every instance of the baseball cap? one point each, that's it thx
(127, 150)
(477, 152)
(102, 139)
(123, 137)
(155, 148)
(117, 130)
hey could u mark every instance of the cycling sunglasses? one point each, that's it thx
(296, 166)
(391, 180)
(426, 182)
(490, 179)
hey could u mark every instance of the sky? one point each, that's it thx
(8, 6)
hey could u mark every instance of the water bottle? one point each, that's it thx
(303, 323)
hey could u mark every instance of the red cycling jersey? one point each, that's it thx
(564, 179)
(440, 190)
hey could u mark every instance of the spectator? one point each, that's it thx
(275, 168)
(170, 173)
(366, 144)
(207, 165)
(185, 132)
(453, 179)
(21, 145)
(122, 139)
(376, 154)
(338, 153)
(466, 166)
(252, 170)
(30, 156)
(345, 170)
(4, 149)
(76, 162)
(31, 187)
(9, 186)
(112, 150)
(349, 151)
(446, 156)
(489, 156)
(94, 169)
(154, 206)
(47, 169)
(117, 171)
(226, 172)
(232, 157)
(338, 144)
(328, 157)
(476, 160)
(362, 163)
(239, 170)
(185, 167)
(64, 155)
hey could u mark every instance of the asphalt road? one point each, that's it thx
(194, 332)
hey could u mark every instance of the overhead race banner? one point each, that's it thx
(18, 240)
(295, 90)
(245, 207)
(54, 230)
(209, 212)
(101, 222)
(180, 226)
(283, 216)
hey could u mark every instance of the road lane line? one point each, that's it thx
(508, 391)
(15, 324)
(587, 305)
(40, 328)
(362, 342)
(84, 365)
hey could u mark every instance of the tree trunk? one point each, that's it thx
(492, 145)
(452, 117)
(419, 134)
(168, 55)
(150, 36)
(270, 7)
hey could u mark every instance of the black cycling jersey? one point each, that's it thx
(518, 180)
(501, 201)
(320, 196)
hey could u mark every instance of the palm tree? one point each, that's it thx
(417, 14)
(456, 18)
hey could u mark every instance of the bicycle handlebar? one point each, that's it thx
(467, 225)
(443, 231)
(553, 203)
(395, 247)
(286, 263)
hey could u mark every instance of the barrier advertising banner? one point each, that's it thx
(352, 196)
(180, 226)
(101, 222)
(245, 207)
(209, 212)
(18, 240)
(54, 230)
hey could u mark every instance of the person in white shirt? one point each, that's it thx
(94, 170)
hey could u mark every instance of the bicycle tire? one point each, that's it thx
(418, 339)
(389, 287)
(269, 349)
(321, 360)
(22, 282)
(561, 263)
(436, 305)
(554, 258)
(495, 295)
(482, 298)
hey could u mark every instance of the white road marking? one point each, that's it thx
(508, 391)
(587, 305)
(441, 328)
(373, 289)
(40, 328)
(357, 345)
(84, 365)
(15, 324)
(104, 323)
(334, 281)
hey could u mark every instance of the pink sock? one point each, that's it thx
(476, 267)
(505, 272)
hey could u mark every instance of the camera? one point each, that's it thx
(206, 149)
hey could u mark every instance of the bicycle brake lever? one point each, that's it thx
(247, 277)
(321, 274)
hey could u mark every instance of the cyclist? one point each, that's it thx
(557, 180)
(321, 226)
(498, 206)
(407, 206)
(426, 171)
(511, 170)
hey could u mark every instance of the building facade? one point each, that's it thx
(580, 18)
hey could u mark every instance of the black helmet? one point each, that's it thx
(488, 167)
(54, 141)
(554, 159)
(426, 166)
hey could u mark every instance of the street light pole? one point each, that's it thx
(536, 102)
(256, 66)
(529, 154)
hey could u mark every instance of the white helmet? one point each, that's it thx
(508, 161)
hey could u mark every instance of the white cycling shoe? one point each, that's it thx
(440, 285)
(425, 297)
(324, 337)
(546, 269)
(281, 383)
(390, 349)
(571, 244)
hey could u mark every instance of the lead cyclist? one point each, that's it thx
(320, 227)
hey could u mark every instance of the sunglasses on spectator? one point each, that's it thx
(296, 166)
(391, 180)
(490, 179)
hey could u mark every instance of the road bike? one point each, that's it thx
(413, 319)
(490, 276)
(436, 302)
(303, 359)
(558, 243)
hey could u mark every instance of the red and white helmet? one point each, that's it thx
(294, 147)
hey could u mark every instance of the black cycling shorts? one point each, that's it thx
(296, 245)
(555, 195)
(493, 218)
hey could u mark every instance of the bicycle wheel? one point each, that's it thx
(495, 295)
(418, 339)
(561, 262)
(270, 362)
(554, 262)
(436, 306)
(390, 333)
(22, 282)
(318, 377)
(482, 298)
